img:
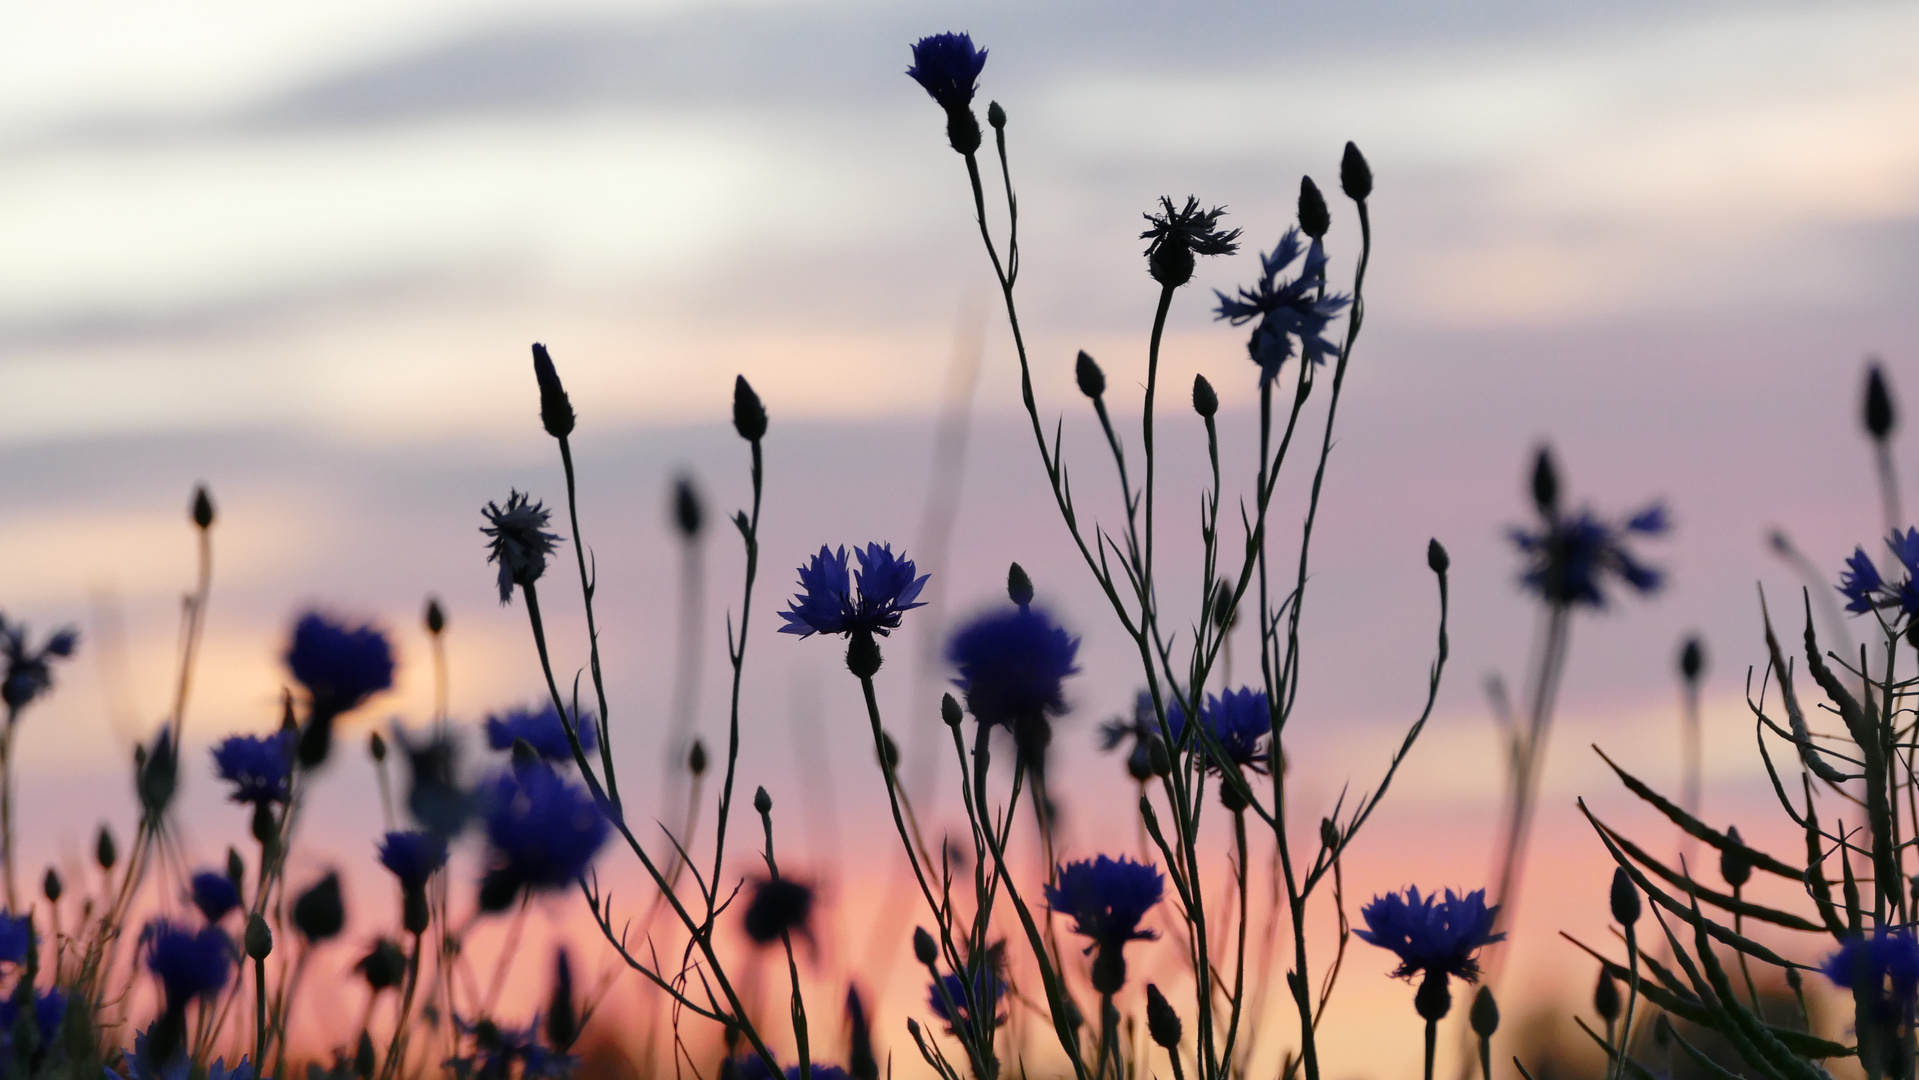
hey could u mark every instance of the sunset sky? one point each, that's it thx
(298, 253)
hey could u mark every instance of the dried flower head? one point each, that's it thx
(519, 541)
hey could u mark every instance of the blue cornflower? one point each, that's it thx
(1299, 310)
(1886, 961)
(189, 965)
(541, 729)
(49, 1008)
(1239, 719)
(1175, 235)
(1569, 557)
(518, 541)
(1431, 937)
(16, 937)
(340, 665)
(1011, 664)
(214, 894)
(542, 830)
(413, 856)
(1106, 899)
(1864, 588)
(242, 1070)
(257, 766)
(29, 671)
(495, 1049)
(779, 906)
(752, 1068)
(140, 1064)
(987, 991)
(434, 796)
(887, 586)
(947, 66)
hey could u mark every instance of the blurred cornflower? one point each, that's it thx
(1106, 898)
(1011, 664)
(49, 1008)
(541, 831)
(413, 857)
(519, 542)
(1569, 557)
(1239, 719)
(340, 665)
(541, 729)
(779, 906)
(1886, 963)
(1865, 590)
(189, 964)
(214, 894)
(16, 938)
(1292, 311)
(752, 1068)
(987, 991)
(497, 1049)
(434, 796)
(887, 586)
(258, 766)
(1143, 730)
(141, 1066)
(29, 671)
(1431, 937)
(1176, 234)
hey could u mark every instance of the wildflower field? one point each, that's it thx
(1289, 625)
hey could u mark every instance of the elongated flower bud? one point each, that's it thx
(435, 617)
(924, 950)
(1606, 996)
(1161, 1021)
(1732, 865)
(1205, 399)
(1692, 659)
(1092, 381)
(749, 416)
(556, 412)
(1355, 176)
(1625, 898)
(1436, 558)
(1314, 219)
(1485, 1013)
(1545, 484)
(1019, 587)
(202, 508)
(1880, 416)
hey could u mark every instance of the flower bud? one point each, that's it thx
(376, 747)
(562, 1018)
(1692, 660)
(363, 1059)
(435, 617)
(1205, 400)
(1436, 558)
(52, 886)
(1734, 866)
(1545, 484)
(860, 1062)
(924, 950)
(1328, 834)
(696, 758)
(1139, 763)
(762, 802)
(1314, 219)
(1019, 587)
(236, 867)
(889, 752)
(950, 711)
(1161, 1021)
(105, 852)
(1156, 755)
(320, 913)
(1092, 381)
(1606, 996)
(556, 412)
(259, 937)
(1485, 1013)
(863, 655)
(1625, 898)
(202, 508)
(688, 515)
(383, 966)
(1355, 176)
(749, 416)
(996, 116)
(1880, 416)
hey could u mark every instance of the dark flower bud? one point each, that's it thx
(950, 711)
(1019, 587)
(1880, 416)
(1545, 483)
(924, 950)
(1161, 1021)
(320, 913)
(316, 740)
(236, 867)
(749, 416)
(1109, 969)
(1161, 761)
(1328, 834)
(383, 966)
(52, 886)
(435, 617)
(1434, 999)
(779, 906)
(889, 752)
(1314, 220)
(1733, 866)
(996, 116)
(562, 1018)
(1606, 996)
(157, 774)
(696, 758)
(556, 412)
(1092, 381)
(1355, 176)
(1436, 558)
(202, 508)
(1625, 898)
(762, 802)
(498, 890)
(376, 747)
(688, 515)
(863, 657)
(1139, 763)
(265, 828)
(860, 1062)
(259, 937)
(1224, 615)
(962, 129)
(1485, 1013)
(1171, 264)
(1231, 797)
(524, 754)
(1205, 399)
(363, 1060)
(1692, 659)
(105, 852)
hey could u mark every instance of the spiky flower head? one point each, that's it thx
(29, 671)
(1012, 664)
(189, 964)
(1290, 316)
(779, 906)
(541, 831)
(869, 602)
(518, 540)
(1570, 556)
(1431, 937)
(1106, 898)
(214, 894)
(1176, 234)
(988, 990)
(1866, 590)
(947, 66)
(1238, 719)
(340, 665)
(258, 766)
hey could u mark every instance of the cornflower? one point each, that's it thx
(340, 665)
(1865, 590)
(214, 894)
(518, 541)
(190, 965)
(987, 991)
(1106, 898)
(1175, 235)
(888, 585)
(779, 906)
(29, 671)
(1568, 558)
(947, 67)
(1884, 965)
(1288, 312)
(413, 857)
(1434, 938)
(16, 938)
(541, 831)
(541, 729)
(1238, 719)
(257, 766)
